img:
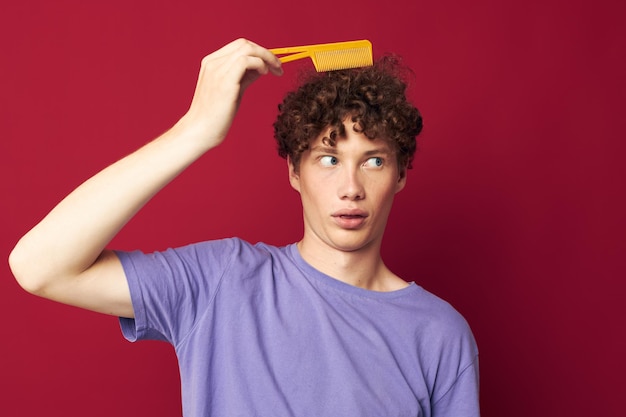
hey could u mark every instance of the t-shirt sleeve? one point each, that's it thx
(456, 377)
(462, 399)
(171, 290)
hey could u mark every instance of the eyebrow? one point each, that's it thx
(379, 151)
(324, 149)
(333, 151)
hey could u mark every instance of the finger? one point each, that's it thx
(244, 47)
(274, 64)
(229, 48)
(245, 69)
(255, 68)
(252, 49)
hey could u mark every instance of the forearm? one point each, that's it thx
(73, 235)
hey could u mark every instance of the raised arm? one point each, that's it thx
(63, 258)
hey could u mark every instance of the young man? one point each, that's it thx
(317, 328)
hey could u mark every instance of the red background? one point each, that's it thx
(514, 211)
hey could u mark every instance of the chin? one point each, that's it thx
(352, 245)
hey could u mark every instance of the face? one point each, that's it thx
(347, 191)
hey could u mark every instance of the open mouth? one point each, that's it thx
(350, 214)
(350, 219)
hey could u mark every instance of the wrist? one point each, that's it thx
(196, 133)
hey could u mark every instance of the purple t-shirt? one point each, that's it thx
(259, 332)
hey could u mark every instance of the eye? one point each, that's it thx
(328, 160)
(375, 162)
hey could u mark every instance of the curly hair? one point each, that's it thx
(373, 97)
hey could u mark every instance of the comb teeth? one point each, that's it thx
(342, 59)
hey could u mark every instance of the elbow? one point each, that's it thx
(23, 269)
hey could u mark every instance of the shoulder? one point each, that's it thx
(441, 312)
(198, 259)
(243, 251)
(440, 326)
(230, 248)
(234, 254)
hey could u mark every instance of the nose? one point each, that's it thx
(351, 185)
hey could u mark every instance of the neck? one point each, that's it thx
(362, 268)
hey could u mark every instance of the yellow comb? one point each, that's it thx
(330, 56)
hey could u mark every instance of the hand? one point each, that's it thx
(224, 76)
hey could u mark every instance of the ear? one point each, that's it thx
(401, 179)
(294, 175)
